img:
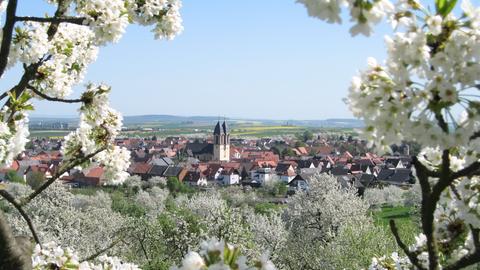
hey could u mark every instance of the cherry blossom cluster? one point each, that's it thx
(52, 256)
(99, 125)
(30, 43)
(394, 261)
(427, 76)
(164, 14)
(318, 217)
(109, 19)
(70, 52)
(59, 57)
(216, 254)
(85, 223)
(13, 135)
(365, 14)
(431, 69)
(221, 220)
(425, 91)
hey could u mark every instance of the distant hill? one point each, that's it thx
(136, 119)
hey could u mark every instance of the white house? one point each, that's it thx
(263, 175)
(230, 177)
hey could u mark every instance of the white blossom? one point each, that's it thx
(58, 217)
(192, 261)
(108, 19)
(13, 137)
(217, 255)
(365, 14)
(51, 255)
(435, 24)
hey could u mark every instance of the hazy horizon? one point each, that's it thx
(220, 118)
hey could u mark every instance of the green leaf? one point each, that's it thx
(439, 4)
(25, 97)
(449, 7)
(444, 7)
(12, 95)
(28, 107)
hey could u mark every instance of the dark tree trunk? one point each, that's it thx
(12, 255)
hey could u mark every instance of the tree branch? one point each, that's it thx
(7, 35)
(101, 251)
(7, 196)
(411, 256)
(475, 135)
(11, 255)
(422, 174)
(64, 19)
(441, 121)
(427, 209)
(42, 95)
(419, 166)
(431, 204)
(473, 168)
(58, 175)
(445, 177)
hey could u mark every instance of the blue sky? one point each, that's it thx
(240, 59)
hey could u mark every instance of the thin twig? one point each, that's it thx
(475, 135)
(49, 98)
(101, 251)
(73, 20)
(413, 258)
(58, 175)
(7, 196)
(472, 169)
(7, 35)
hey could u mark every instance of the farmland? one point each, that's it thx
(200, 127)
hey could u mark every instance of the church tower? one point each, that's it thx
(221, 142)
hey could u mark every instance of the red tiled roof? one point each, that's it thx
(325, 149)
(347, 155)
(95, 172)
(14, 167)
(233, 165)
(302, 150)
(39, 168)
(202, 167)
(141, 168)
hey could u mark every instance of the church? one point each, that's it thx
(219, 150)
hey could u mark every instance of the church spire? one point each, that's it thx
(217, 131)
(224, 127)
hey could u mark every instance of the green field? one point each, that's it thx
(263, 131)
(48, 133)
(406, 219)
(190, 129)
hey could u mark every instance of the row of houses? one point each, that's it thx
(246, 162)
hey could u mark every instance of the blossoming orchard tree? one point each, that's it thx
(425, 91)
(55, 52)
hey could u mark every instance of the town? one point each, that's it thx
(239, 135)
(222, 160)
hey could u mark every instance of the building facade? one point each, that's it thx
(221, 142)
